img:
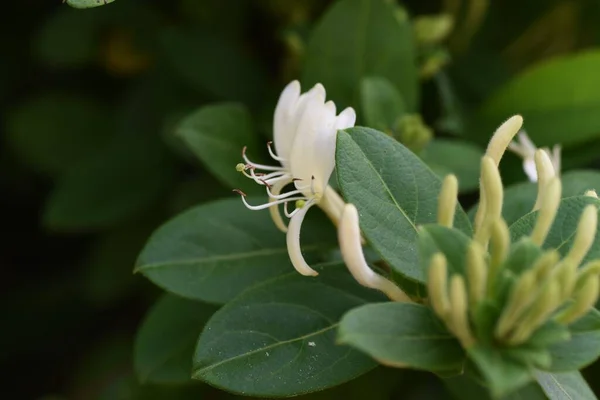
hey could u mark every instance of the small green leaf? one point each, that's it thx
(216, 134)
(501, 373)
(87, 3)
(434, 238)
(402, 335)
(394, 192)
(117, 184)
(381, 103)
(214, 251)
(457, 157)
(54, 131)
(564, 386)
(557, 98)
(278, 338)
(165, 342)
(360, 38)
(563, 229)
(582, 349)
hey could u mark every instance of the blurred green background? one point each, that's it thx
(90, 165)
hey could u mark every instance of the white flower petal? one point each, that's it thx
(346, 119)
(293, 242)
(283, 132)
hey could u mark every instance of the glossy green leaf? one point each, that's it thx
(582, 349)
(563, 229)
(564, 386)
(278, 339)
(165, 342)
(53, 131)
(360, 38)
(456, 157)
(87, 3)
(402, 335)
(502, 375)
(381, 103)
(216, 134)
(452, 243)
(213, 65)
(557, 98)
(214, 251)
(394, 192)
(118, 184)
(520, 198)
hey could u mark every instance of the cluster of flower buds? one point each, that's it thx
(549, 288)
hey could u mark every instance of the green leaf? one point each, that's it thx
(563, 229)
(457, 157)
(88, 3)
(214, 251)
(67, 39)
(557, 98)
(54, 131)
(402, 335)
(434, 238)
(216, 134)
(360, 38)
(165, 342)
(520, 198)
(116, 185)
(582, 349)
(565, 386)
(501, 373)
(381, 103)
(278, 339)
(394, 192)
(213, 64)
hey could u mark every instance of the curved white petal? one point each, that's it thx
(293, 242)
(283, 134)
(346, 119)
(530, 170)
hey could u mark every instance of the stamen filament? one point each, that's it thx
(272, 153)
(270, 204)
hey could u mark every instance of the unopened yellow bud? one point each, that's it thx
(565, 276)
(500, 240)
(491, 184)
(476, 274)
(459, 312)
(544, 264)
(547, 212)
(591, 193)
(437, 285)
(584, 236)
(521, 297)
(545, 172)
(502, 137)
(447, 201)
(585, 298)
(431, 29)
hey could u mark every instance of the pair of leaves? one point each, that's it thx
(394, 192)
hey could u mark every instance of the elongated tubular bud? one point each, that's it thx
(565, 275)
(332, 204)
(500, 241)
(545, 172)
(492, 185)
(459, 311)
(437, 285)
(589, 269)
(351, 248)
(544, 305)
(476, 274)
(544, 264)
(447, 201)
(521, 297)
(547, 212)
(584, 236)
(585, 298)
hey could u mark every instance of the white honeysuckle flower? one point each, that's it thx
(526, 149)
(304, 136)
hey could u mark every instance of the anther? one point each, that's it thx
(238, 191)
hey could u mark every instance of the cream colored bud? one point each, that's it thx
(584, 236)
(545, 172)
(547, 212)
(351, 249)
(521, 297)
(544, 264)
(585, 298)
(459, 311)
(437, 285)
(565, 275)
(502, 137)
(476, 274)
(491, 184)
(591, 193)
(447, 201)
(500, 240)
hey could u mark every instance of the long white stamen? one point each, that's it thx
(270, 204)
(272, 154)
(259, 166)
(274, 210)
(293, 241)
(284, 195)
